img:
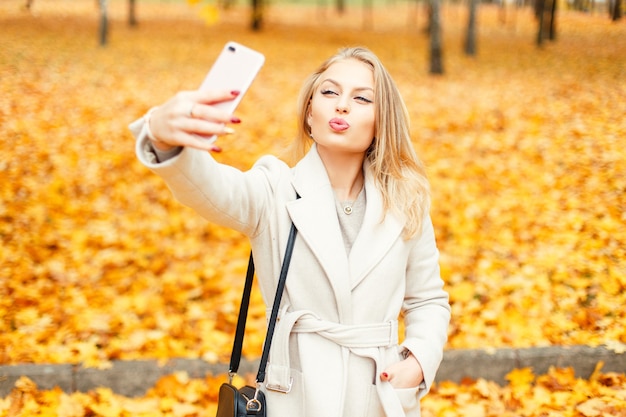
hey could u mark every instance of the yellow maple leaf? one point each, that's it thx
(25, 385)
(520, 379)
(69, 406)
(592, 407)
(471, 410)
(210, 14)
(462, 292)
(141, 406)
(185, 409)
(111, 409)
(616, 346)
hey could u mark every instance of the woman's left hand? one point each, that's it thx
(407, 373)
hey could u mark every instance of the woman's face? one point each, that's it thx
(342, 112)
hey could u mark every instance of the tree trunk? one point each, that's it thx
(104, 23)
(617, 10)
(538, 8)
(543, 23)
(470, 37)
(553, 20)
(132, 17)
(546, 14)
(502, 12)
(436, 63)
(429, 13)
(257, 15)
(341, 6)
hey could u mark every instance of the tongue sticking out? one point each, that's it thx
(338, 124)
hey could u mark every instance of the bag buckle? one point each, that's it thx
(279, 388)
(253, 404)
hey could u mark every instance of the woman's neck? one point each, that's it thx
(345, 172)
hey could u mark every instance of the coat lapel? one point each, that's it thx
(315, 217)
(376, 236)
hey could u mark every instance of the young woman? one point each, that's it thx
(365, 252)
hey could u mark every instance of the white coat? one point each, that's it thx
(338, 325)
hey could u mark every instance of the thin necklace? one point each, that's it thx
(347, 205)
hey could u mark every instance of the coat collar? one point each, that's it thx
(315, 216)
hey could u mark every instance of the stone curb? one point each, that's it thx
(134, 378)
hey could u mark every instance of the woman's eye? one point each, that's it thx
(328, 92)
(363, 99)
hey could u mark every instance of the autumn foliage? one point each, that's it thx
(558, 393)
(524, 148)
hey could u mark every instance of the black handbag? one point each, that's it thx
(248, 400)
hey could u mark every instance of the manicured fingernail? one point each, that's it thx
(216, 149)
(235, 120)
(228, 130)
(235, 92)
(385, 375)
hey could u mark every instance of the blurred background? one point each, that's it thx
(517, 111)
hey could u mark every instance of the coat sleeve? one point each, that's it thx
(220, 193)
(426, 306)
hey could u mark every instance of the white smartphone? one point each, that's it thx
(234, 70)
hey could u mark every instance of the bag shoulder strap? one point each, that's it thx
(235, 357)
(260, 377)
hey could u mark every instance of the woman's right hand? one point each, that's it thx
(187, 117)
(407, 373)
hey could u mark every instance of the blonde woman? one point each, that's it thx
(365, 253)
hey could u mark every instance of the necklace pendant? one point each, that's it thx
(347, 209)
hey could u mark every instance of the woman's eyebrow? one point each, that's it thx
(338, 84)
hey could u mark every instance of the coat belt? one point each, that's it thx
(352, 336)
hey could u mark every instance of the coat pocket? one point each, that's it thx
(408, 399)
(373, 406)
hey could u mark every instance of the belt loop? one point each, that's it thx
(393, 337)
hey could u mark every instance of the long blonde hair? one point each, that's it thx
(397, 171)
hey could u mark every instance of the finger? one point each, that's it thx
(209, 113)
(213, 96)
(206, 128)
(193, 132)
(196, 104)
(197, 142)
(384, 376)
(186, 113)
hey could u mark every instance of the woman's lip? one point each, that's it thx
(338, 124)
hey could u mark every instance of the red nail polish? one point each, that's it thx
(235, 92)
(235, 120)
(385, 375)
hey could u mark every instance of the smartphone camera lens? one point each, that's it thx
(231, 48)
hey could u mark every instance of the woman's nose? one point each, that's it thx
(342, 107)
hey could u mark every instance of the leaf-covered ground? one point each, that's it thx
(524, 148)
(557, 393)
